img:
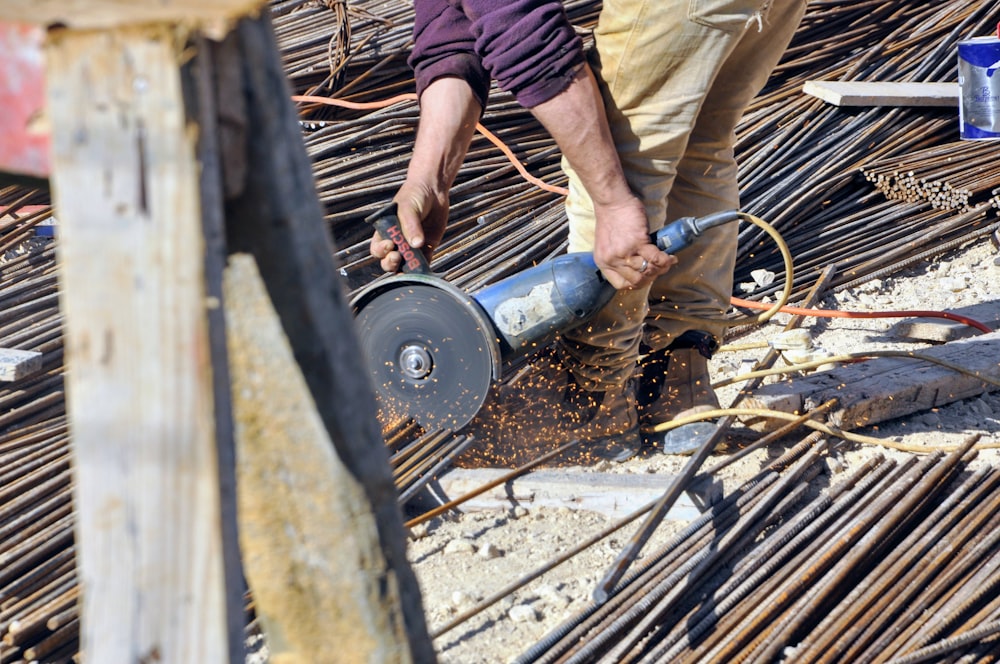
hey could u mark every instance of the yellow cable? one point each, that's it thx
(851, 357)
(735, 348)
(786, 293)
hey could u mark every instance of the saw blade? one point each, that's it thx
(428, 355)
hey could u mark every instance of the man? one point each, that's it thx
(675, 77)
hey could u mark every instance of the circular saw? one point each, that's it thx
(431, 351)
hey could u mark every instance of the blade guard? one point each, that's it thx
(383, 285)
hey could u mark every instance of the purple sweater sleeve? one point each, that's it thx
(528, 46)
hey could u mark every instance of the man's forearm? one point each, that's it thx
(576, 120)
(449, 112)
(622, 249)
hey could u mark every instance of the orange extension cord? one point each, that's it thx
(834, 313)
(737, 302)
(411, 96)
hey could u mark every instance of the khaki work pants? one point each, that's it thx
(676, 76)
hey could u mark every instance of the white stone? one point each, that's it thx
(460, 545)
(523, 613)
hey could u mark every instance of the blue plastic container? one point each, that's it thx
(979, 85)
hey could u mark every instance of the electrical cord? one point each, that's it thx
(836, 313)
(411, 96)
(827, 429)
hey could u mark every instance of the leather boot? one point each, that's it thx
(674, 383)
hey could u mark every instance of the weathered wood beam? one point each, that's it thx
(326, 563)
(212, 16)
(155, 126)
(274, 215)
(140, 393)
(882, 389)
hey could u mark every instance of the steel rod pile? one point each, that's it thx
(37, 573)
(890, 563)
(859, 573)
(417, 459)
(954, 176)
(800, 159)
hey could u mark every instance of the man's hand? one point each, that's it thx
(448, 114)
(622, 249)
(422, 218)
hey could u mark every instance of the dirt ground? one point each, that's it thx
(463, 560)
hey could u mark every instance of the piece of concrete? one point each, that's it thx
(942, 330)
(615, 495)
(17, 364)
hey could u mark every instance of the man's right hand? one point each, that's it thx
(422, 218)
(622, 248)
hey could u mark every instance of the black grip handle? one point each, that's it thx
(386, 222)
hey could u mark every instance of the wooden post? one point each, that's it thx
(140, 393)
(164, 147)
(274, 215)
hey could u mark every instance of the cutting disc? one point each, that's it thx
(430, 350)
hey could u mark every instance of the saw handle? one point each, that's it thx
(386, 222)
(680, 233)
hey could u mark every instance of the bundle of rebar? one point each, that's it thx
(799, 158)
(894, 562)
(956, 176)
(801, 168)
(418, 458)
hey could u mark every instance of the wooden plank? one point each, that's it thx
(878, 93)
(886, 388)
(17, 364)
(309, 559)
(212, 15)
(139, 379)
(273, 204)
(612, 494)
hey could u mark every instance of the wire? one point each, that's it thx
(411, 96)
(835, 313)
(770, 310)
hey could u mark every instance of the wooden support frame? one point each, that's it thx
(214, 17)
(274, 215)
(140, 392)
(151, 176)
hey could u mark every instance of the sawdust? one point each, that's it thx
(466, 560)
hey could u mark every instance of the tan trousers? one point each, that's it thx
(676, 76)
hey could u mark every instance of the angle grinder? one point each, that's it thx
(434, 350)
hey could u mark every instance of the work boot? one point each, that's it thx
(675, 383)
(606, 422)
